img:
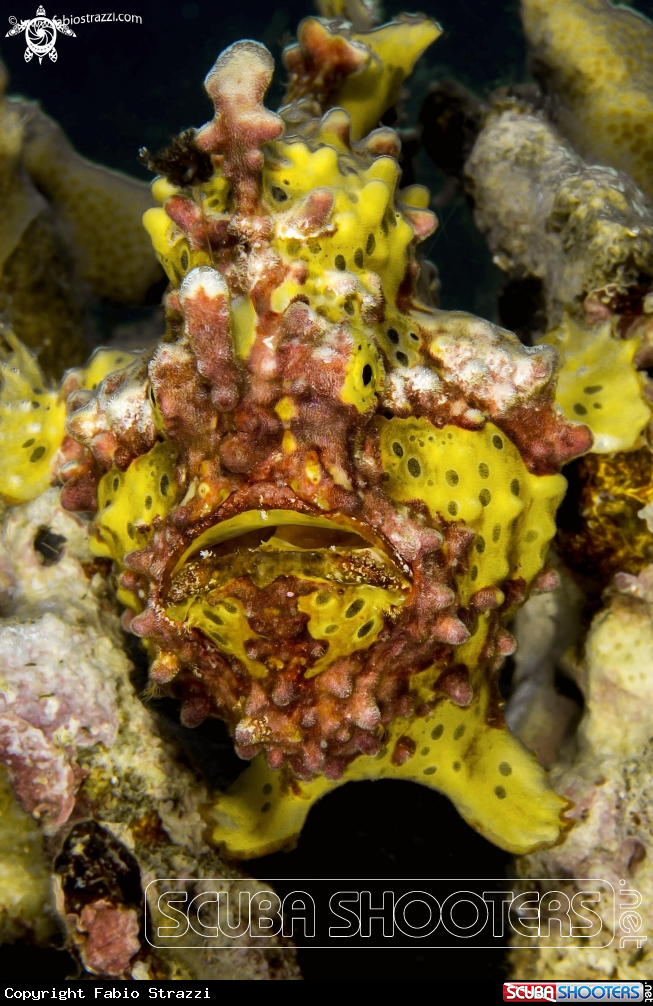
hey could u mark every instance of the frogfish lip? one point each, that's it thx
(341, 576)
(277, 533)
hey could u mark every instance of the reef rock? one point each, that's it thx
(576, 227)
(608, 779)
(100, 792)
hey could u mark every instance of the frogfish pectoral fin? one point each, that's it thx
(262, 811)
(493, 781)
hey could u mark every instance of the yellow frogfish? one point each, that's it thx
(324, 497)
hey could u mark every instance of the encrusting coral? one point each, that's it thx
(69, 230)
(594, 58)
(324, 497)
(607, 777)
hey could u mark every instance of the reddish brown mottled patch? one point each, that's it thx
(456, 684)
(319, 61)
(242, 124)
(111, 937)
(403, 751)
(546, 580)
(40, 771)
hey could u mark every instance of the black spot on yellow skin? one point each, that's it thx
(496, 532)
(358, 258)
(212, 617)
(364, 629)
(500, 792)
(330, 629)
(37, 454)
(267, 789)
(397, 449)
(430, 770)
(340, 263)
(371, 244)
(485, 497)
(184, 260)
(459, 731)
(367, 374)
(414, 467)
(424, 752)
(505, 768)
(452, 477)
(322, 598)
(28, 443)
(278, 194)
(354, 608)
(473, 572)
(452, 507)
(579, 409)
(497, 441)
(148, 502)
(393, 336)
(480, 544)
(231, 608)
(164, 484)
(483, 470)
(403, 359)
(593, 389)
(436, 732)
(456, 766)
(266, 807)
(116, 484)
(514, 487)
(130, 531)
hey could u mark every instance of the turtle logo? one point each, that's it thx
(40, 34)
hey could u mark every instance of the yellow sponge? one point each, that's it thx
(598, 384)
(33, 416)
(32, 422)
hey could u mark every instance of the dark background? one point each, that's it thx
(117, 87)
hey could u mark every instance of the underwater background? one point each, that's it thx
(117, 87)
